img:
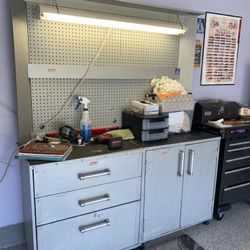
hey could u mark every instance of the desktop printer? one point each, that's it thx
(212, 110)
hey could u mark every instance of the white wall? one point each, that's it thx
(10, 188)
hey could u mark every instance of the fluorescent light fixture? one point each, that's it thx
(110, 21)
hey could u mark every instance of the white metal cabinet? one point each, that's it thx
(179, 187)
(89, 203)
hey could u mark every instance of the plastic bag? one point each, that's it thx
(164, 87)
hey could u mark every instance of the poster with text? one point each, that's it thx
(221, 44)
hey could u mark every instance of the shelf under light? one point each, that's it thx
(65, 15)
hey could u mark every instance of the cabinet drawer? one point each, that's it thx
(235, 193)
(113, 229)
(79, 202)
(236, 154)
(236, 176)
(76, 174)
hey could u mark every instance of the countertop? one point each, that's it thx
(94, 149)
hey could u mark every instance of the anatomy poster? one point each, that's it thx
(221, 44)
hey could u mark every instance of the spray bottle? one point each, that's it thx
(85, 123)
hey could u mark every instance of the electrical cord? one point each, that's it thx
(4, 162)
(56, 7)
(179, 20)
(10, 110)
(7, 108)
(42, 126)
(8, 165)
(11, 158)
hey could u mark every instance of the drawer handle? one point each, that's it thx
(180, 163)
(237, 170)
(238, 159)
(190, 170)
(239, 143)
(91, 201)
(238, 186)
(84, 229)
(237, 149)
(94, 174)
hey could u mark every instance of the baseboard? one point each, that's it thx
(11, 235)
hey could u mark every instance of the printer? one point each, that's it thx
(212, 110)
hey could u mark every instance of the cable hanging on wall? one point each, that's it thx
(71, 95)
(13, 154)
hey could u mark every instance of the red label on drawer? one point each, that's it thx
(93, 163)
(164, 154)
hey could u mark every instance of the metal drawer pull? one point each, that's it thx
(238, 159)
(91, 201)
(238, 186)
(180, 163)
(190, 170)
(94, 174)
(84, 229)
(238, 149)
(237, 170)
(239, 143)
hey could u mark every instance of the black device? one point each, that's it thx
(115, 142)
(211, 110)
(233, 177)
(146, 127)
(68, 133)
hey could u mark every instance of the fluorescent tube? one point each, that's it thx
(112, 21)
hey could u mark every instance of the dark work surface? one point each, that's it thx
(93, 149)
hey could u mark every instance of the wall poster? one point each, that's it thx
(221, 44)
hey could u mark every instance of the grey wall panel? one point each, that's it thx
(20, 37)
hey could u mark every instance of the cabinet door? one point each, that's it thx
(199, 182)
(163, 184)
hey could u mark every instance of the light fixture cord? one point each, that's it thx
(57, 9)
(79, 83)
(179, 20)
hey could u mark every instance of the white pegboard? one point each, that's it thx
(72, 44)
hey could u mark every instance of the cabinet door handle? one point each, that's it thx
(91, 201)
(94, 174)
(84, 229)
(180, 163)
(190, 170)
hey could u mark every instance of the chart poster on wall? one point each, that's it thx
(221, 44)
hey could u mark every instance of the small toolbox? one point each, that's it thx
(145, 127)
